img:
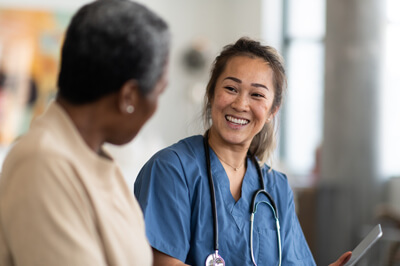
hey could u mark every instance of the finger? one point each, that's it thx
(345, 257)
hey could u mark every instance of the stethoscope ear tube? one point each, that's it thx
(215, 257)
(274, 209)
(262, 191)
(272, 205)
(212, 191)
(272, 202)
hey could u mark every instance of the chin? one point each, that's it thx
(233, 136)
(123, 141)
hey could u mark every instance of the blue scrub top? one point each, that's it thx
(173, 191)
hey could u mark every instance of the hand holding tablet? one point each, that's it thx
(365, 245)
(350, 258)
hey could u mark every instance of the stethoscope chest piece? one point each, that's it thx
(214, 259)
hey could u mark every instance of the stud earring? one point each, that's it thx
(130, 109)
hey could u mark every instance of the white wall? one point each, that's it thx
(217, 23)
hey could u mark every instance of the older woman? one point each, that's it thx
(63, 200)
(210, 199)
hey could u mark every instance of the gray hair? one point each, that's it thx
(109, 42)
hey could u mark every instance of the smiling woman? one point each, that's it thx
(208, 182)
(197, 194)
(274, 80)
(240, 107)
(242, 103)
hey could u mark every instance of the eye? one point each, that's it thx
(258, 95)
(230, 88)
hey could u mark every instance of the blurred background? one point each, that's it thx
(339, 133)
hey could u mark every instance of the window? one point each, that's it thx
(302, 123)
(390, 108)
(302, 115)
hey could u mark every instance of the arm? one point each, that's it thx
(162, 259)
(294, 245)
(162, 193)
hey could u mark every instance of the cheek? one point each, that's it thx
(220, 102)
(262, 113)
(218, 105)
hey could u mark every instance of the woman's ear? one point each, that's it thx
(272, 115)
(128, 97)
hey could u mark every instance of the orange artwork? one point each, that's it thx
(30, 42)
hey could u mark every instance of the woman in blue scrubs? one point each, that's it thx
(243, 96)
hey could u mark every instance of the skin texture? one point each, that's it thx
(243, 91)
(342, 260)
(107, 119)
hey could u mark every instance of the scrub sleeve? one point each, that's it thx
(168, 216)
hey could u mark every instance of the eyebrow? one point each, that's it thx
(258, 85)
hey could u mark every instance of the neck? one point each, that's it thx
(236, 168)
(85, 119)
(233, 156)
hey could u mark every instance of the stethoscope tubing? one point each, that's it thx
(212, 193)
(253, 203)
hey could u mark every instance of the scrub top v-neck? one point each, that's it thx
(173, 191)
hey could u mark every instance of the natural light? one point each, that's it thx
(390, 107)
(304, 110)
(304, 38)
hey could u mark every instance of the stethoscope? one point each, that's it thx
(214, 259)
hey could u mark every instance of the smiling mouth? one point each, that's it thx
(238, 121)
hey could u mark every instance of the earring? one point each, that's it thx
(130, 109)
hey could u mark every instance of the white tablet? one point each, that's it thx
(364, 245)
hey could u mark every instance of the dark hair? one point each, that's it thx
(107, 43)
(264, 143)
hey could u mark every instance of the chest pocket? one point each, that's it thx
(265, 236)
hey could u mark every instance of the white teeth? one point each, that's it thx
(237, 120)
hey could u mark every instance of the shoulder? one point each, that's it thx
(43, 182)
(33, 150)
(34, 169)
(188, 146)
(44, 154)
(46, 138)
(182, 152)
(36, 159)
(173, 162)
(274, 178)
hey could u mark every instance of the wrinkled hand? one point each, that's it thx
(342, 260)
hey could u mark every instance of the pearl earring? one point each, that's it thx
(130, 109)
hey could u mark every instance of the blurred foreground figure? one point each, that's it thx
(63, 200)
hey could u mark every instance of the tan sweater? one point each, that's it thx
(62, 204)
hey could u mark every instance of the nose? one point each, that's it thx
(240, 103)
